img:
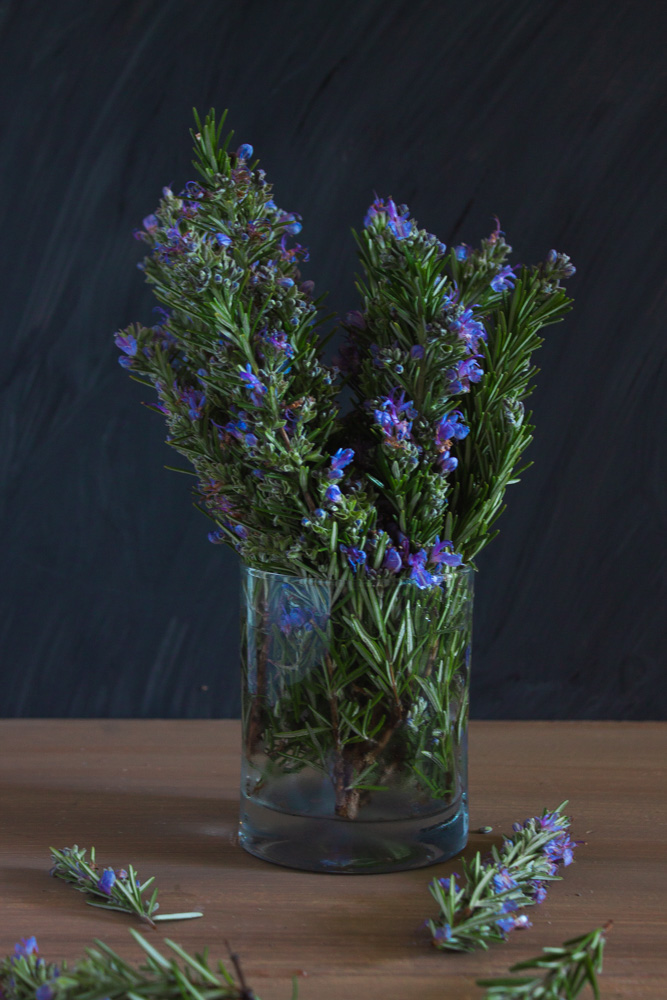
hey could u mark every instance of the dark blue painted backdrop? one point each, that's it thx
(547, 112)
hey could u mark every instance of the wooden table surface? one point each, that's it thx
(163, 795)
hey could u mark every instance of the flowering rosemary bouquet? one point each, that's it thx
(356, 668)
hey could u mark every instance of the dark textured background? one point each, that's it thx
(550, 113)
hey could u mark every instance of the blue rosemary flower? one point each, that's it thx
(193, 189)
(462, 252)
(450, 428)
(290, 221)
(26, 947)
(440, 555)
(559, 850)
(399, 225)
(394, 415)
(195, 400)
(392, 561)
(502, 880)
(239, 429)
(356, 557)
(245, 151)
(339, 461)
(107, 880)
(443, 933)
(333, 494)
(555, 822)
(294, 618)
(506, 924)
(469, 330)
(539, 891)
(416, 352)
(252, 382)
(420, 574)
(463, 373)
(128, 345)
(45, 992)
(503, 280)
(278, 339)
(447, 463)
(447, 881)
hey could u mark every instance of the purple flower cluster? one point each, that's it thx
(339, 461)
(356, 557)
(26, 947)
(394, 415)
(420, 574)
(195, 400)
(292, 619)
(422, 564)
(291, 221)
(470, 330)
(399, 224)
(128, 345)
(240, 430)
(560, 264)
(447, 881)
(450, 428)
(441, 934)
(218, 535)
(278, 340)
(254, 384)
(462, 374)
(503, 280)
(212, 495)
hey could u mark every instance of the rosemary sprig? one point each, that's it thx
(103, 973)
(111, 890)
(482, 909)
(568, 969)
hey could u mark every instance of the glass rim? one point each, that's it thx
(467, 570)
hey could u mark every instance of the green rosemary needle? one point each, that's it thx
(111, 890)
(568, 969)
(103, 973)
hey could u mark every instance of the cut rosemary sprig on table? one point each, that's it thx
(482, 909)
(111, 890)
(568, 969)
(103, 973)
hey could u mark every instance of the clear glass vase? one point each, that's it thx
(355, 714)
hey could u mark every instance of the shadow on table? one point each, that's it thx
(126, 826)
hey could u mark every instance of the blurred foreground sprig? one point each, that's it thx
(568, 969)
(483, 908)
(103, 973)
(110, 889)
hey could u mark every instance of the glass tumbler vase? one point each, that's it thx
(355, 715)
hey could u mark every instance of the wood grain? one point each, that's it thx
(164, 796)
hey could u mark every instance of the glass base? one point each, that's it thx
(352, 847)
